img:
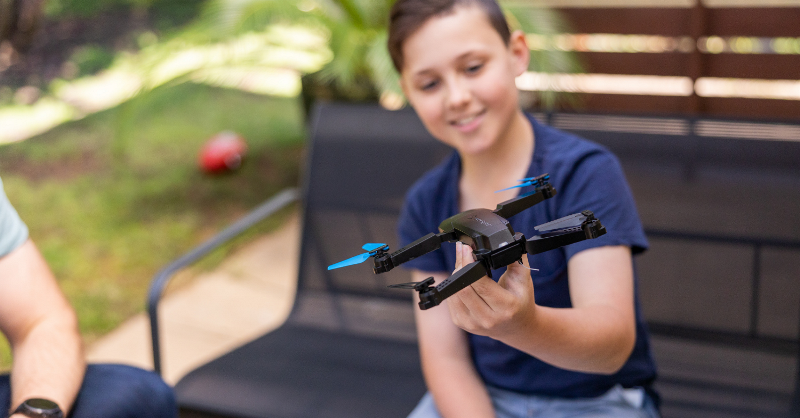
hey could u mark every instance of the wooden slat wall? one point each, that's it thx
(695, 22)
(749, 108)
(634, 104)
(668, 64)
(767, 22)
(630, 21)
(764, 66)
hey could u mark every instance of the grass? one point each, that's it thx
(114, 197)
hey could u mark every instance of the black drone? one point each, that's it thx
(494, 242)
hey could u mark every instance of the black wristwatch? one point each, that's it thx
(39, 408)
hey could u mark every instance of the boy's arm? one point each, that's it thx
(42, 329)
(596, 335)
(446, 362)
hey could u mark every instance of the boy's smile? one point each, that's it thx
(459, 76)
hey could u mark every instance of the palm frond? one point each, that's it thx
(384, 75)
(231, 17)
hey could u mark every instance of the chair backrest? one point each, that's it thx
(364, 159)
(718, 199)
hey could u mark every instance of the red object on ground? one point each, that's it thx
(223, 152)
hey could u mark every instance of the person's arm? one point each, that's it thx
(42, 329)
(446, 363)
(596, 335)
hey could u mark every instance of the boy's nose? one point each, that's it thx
(459, 95)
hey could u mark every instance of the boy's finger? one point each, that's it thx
(492, 294)
(458, 256)
(459, 313)
(485, 292)
(517, 278)
(468, 309)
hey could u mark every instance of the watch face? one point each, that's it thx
(42, 404)
(39, 408)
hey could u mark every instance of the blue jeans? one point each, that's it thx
(616, 403)
(113, 390)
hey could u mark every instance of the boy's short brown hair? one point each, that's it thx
(407, 16)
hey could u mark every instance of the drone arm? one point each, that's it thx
(516, 205)
(466, 276)
(586, 227)
(411, 251)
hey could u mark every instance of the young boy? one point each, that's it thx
(567, 339)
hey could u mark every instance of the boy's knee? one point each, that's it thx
(123, 391)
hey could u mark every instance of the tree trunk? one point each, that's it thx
(19, 20)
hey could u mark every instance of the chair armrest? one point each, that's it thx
(159, 282)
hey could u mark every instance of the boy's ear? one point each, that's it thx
(521, 54)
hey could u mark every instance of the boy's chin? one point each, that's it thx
(473, 146)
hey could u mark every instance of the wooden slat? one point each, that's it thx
(632, 104)
(669, 64)
(752, 108)
(758, 66)
(768, 66)
(766, 22)
(788, 110)
(634, 21)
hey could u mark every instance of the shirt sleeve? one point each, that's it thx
(414, 223)
(13, 232)
(598, 183)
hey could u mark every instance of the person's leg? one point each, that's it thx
(509, 404)
(113, 390)
(5, 394)
(616, 403)
(506, 405)
(426, 408)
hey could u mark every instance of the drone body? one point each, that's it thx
(491, 237)
(481, 229)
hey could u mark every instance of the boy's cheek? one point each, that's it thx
(431, 117)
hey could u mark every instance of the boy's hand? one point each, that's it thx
(494, 309)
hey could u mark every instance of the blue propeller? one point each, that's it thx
(371, 250)
(529, 181)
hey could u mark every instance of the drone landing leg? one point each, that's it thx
(430, 297)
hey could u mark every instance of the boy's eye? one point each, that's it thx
(474, 68)
(429, 85)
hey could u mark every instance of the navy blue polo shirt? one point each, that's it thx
(585, 176)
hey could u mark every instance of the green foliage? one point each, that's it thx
(173, 11)
(361, 68)
(90, 59)
(106, 224)
(85, 8)
(356, 29)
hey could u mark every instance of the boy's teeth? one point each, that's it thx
(465, 120)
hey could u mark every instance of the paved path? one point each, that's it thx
(249, 294)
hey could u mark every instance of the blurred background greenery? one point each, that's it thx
(105, 107)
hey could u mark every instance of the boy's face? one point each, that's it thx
(459, 76)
